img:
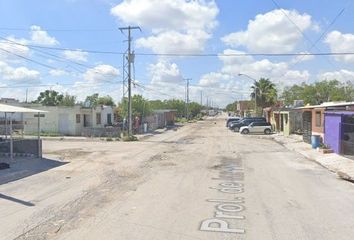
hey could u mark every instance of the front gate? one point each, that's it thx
(347, 139)
(307, 126)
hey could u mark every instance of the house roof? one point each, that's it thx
(328, 104)
(164, 110)
(13, 109)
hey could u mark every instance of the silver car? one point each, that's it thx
(257, 127)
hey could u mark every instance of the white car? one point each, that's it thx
(257, 127)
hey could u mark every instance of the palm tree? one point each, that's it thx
(265, 92)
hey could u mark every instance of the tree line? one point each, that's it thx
(141, 106)
(264, 92)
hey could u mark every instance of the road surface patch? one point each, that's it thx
(230, 208)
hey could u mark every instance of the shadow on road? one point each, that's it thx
(16, 200)
(25, 167)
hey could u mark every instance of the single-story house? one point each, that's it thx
(339, 131)
(161, 118)
(71, 121)
(290, 121)
(314, 120)
(284, 120)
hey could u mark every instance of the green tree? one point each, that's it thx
(91, 101)
(176, 104)
(68, 100)
(319, 92)
(157, 104)
(140, 107)
(265, 92)
(106, 100)
(231, 107)
(49, 98)
(194, 109)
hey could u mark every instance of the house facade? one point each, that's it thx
(70, 121)
(314, 118)
(339, 131)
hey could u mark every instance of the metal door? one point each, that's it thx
(63, 124)
(307, 125)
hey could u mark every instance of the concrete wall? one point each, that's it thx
(23, 146)
(62, 120)
(332, 131)
(286, 122)
(315, 129)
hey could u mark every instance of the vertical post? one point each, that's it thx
(255, 101)
(130, 60)
(188, 99)
(187, 96)
(129, 85)
(201, 98)
(11, 140)
(5, 125)
(39, 137)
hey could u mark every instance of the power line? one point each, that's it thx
(28, 59)
(56, 84)
(58, 58)
(57, 30)
(265, 54)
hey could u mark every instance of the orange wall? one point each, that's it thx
(318, 130)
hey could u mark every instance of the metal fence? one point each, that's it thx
(102, 132)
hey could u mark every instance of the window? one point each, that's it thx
(109, 119)
(98, 118)
(318, 119)
(78, 118)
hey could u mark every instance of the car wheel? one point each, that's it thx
(267, 131)
(245, 131)
(236, 129)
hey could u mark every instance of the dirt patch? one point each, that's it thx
(69, 153)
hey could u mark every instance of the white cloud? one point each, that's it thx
(164, 72)
(41, 37)
(302, 58)
(18, 75)
(101, 73)
(57, 72)
(233, 60)
(77, 55)
(175, 42)
(271, 32)
(213, 79)
(186, 29)
(13, 46)
(168, 14)
(342, 75)
(339, 42)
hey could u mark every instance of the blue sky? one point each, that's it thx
(170, 26)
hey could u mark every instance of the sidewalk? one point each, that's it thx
(342, 166)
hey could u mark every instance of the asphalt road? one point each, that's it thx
(199, 182)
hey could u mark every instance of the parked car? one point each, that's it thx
(245, 122)
(257, 127)
(232, 119)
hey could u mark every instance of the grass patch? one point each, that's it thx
(130, 138)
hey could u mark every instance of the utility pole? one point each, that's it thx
(187, 96)
(201, 98)
(130, 59)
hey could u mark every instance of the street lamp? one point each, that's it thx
(255, 90)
